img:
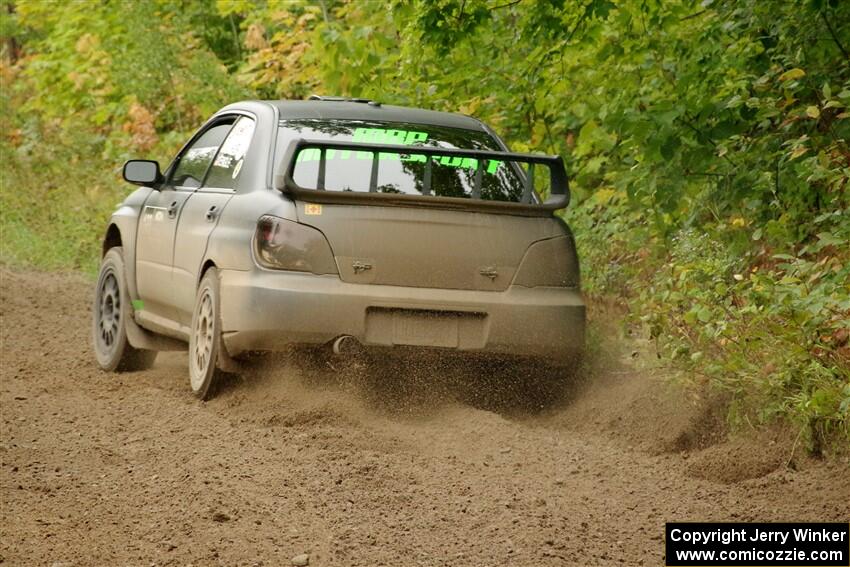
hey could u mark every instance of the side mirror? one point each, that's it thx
(142, 172)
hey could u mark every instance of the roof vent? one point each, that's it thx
(344, 99)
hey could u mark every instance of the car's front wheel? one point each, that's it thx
(113, 351)
(205, 339)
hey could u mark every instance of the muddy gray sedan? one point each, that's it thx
(340, 224)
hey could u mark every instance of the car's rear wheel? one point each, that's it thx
(111, 308)
(205, 375)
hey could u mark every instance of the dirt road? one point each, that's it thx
(100, 469)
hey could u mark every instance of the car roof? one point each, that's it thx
(367, 110)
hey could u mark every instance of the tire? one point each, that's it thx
(110, 311)
(205, 348)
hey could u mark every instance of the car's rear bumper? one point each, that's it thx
(266, 310)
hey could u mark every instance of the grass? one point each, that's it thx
(53, 212)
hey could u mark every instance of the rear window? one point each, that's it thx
(403, 174)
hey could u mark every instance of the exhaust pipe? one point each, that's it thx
(345, 345)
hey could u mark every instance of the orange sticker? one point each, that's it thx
(312, 209)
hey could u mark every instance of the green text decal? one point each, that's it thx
(397, 137)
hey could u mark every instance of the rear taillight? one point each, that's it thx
(550, 263)
(281, 244)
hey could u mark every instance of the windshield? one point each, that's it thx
(351, 171)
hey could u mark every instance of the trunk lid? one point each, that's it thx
(426, 247)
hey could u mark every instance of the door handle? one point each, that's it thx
(489, 272)
(172, 210)
(359, 266)
(212, 214)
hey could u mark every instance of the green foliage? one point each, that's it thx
(138, 69)
(756, 331)
(707, 144)
(53, 208)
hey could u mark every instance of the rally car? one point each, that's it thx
(339, 221)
